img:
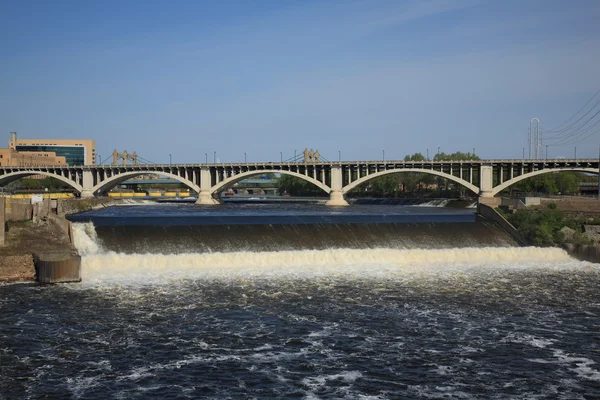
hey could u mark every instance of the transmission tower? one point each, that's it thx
(535, 139)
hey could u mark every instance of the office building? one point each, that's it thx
(74, 151)
(13, 158)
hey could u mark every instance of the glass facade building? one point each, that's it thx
(75, 155)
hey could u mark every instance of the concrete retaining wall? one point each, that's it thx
(63, 224)
(74, 206)
(2, 222)
(58, 271)
(491, 214)
(18, 209)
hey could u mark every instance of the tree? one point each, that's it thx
(567, 182)
(297, 187)
(550, 183)
(458, 156)
(415, 157)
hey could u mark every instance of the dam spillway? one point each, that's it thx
(178, 229)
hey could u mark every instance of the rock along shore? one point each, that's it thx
(47, 238)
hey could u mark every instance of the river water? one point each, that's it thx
(301, 301)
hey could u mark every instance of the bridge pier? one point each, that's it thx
(205, 198)
(205, 195)
(88, 184)
(336, 196)
(87, 194)
(486, 185)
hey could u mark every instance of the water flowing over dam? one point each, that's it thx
(299, 301)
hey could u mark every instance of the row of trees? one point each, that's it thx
(297, 187)
(551, 183)
(392, 185)
(36, 184)
(416, 184)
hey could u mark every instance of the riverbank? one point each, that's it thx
(573, 224)
(43, 235)
(24, 241)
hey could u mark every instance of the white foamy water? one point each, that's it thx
(85, 238)
(99, 266)
(434, 203)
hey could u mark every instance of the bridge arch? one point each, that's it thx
(14, 176)
(234, 179)
(114, 180)
(510, 182)
(367, 178)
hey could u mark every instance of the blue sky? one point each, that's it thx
(193, 77)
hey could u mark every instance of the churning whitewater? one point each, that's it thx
(474, 317)
(101, 266)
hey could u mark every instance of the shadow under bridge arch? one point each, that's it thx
(510, 182)
(115, 180)
(239, 177)
(15, 176)
(453, 178)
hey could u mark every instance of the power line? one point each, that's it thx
(578, 111)
(578, 131)
(574, 124)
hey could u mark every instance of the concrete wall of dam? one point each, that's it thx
(37, 243)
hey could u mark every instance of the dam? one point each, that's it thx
(304, 301)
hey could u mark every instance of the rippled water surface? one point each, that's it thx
(486, 322)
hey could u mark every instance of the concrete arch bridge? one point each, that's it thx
(486, 178)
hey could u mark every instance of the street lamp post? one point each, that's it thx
(576, 152)
(206, 158)
(383, 155)
(546, 152)
(339, 156)
(245, 159)
(214, 157)
(295, 159)
(99, 159)
(170, 159)
(280, 156)
(427, 154)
